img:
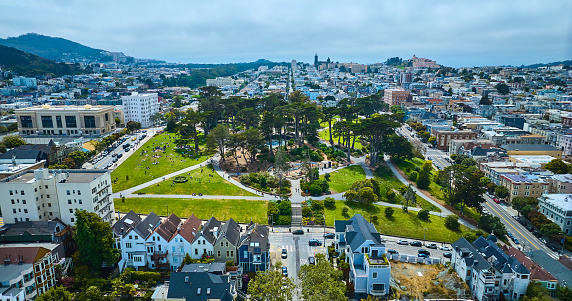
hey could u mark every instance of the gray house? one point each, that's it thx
(227, 242)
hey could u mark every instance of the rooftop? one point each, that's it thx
(562, 201)
(64, 108)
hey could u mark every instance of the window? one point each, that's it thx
(218, 253)
(24, 202)
(130, 237)
(22, 192)
(80, 202)
(196, 251)
(14, 210)
(26, 121)
(89, 122)
(72, 219)
(515, 193)
(374, 275)
(69, 202)
(71, 122)
(78, 192)
(47, 121)
(71, 210)
(12, 202)
(527, 187)
(68, 192)
(128, 245)
(25, 210)
(59, 121)
(11, 193)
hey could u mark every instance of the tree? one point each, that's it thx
(389, 211)
(550, 229)
(368, 196)
(502, 88)
(423, 214)
(56, 293)
(557, 166)
(563, 293)
(78, 157)
(219, 136)
(501, 192)
(423, 180)
(452, 222)
(321, 281)
(12, 141)
(518, 203)
(485, 100)
(94, 241)
(133, 125)
(492, 224)
(271, 286)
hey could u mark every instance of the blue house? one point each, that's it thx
(253, 249)
(369, 267)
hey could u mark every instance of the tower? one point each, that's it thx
(316, 60)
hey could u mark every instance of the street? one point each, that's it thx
(433, 154)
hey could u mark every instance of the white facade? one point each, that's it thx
(25, 81)
(220, 82)
(558, 209)
(140, 107)
(45, 194)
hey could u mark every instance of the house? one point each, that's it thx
(134, 250)
(532, 149)
(558, 209)
(31, 154)
(158, 242)
(203, 242)
(225, 247)
(488, 271)
(537, 272)
(523, 185)
(180, 245)
(365, 253)
(198, 284)
(123, 226)
(254, 249)
(53, 231)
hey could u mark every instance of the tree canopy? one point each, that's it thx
(94, 241)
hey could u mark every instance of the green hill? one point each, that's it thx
(28, 64)
(57, 49)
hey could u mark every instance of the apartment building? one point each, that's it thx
(561, 184)
(396, 97)
(369, 267)
(557, 208)
(43, 194)
(25, 81)
(140, 107)
(488, 271)
(65, 120)
(220, 81)
(537, 272)
(524, 185)
(445, 136)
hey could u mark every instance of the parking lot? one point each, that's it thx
(391, 243)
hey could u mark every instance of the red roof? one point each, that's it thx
(536, 271)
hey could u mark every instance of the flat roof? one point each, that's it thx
(65, 108)
(72, 177)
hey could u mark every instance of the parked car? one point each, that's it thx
(391, 251)
(311, 260)
(529, 228)
(432, 246)
(330, 235)
(496, 200)
(314, 242)
(284, 271)
(284, 254)
(447, 254)
(423, 251)
(515, 240)
(552, 247)
(444, 248)
(537, 234)
(485, 211)
(416, 244)
(299, 231)
(402, 242)
(509, 234)
(422, 255)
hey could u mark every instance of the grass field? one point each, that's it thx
(203, 180)
(407, 166)
(325, 135)
(135, 167)
(240, 210)
(343, 179)
(400, 224)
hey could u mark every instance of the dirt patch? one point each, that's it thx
(427, 281)
(89, 145)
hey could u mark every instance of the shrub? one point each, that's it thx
(329, 202)
(180, 179)
(318, 205)
(390, 194)
(423, 215)
(413, 176)
(230, 263)
(306, 211)
(245, 179)
(345, 210)
(145, 276)
(389, 211)
(374, 219)
(423, 180)
(452, 222)
(284, 220)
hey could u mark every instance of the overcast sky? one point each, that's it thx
(454, 33)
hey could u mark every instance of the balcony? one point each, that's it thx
(378, 292)
(159, 255)
(377, 261)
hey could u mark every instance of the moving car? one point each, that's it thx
(330, 235)
(422, 255)
(311, 260)
(447, 254)
(299, 231)
(314, 242)
(402, 242)
(416, 244)
(284, 254)
(284, 271)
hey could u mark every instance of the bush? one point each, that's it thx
(145, 276)
(306, 211)
(374, 219)
(318, 205)
(423, 180)
(423, 215)
(389, 211)
(413, 176)
(345, 210)
(284, 220)
(390, 194)
(329, 202)
(245, 179)
(452, 222)
(180, 179)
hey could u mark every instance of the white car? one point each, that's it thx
(485, 211)
(444, 248)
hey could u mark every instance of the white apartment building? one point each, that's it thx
(140, 107)
(557, 208)
(43, 194)
(25, 81)
(220, 81)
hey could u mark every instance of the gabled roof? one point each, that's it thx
(168, 229)
(470, 254)
(146, 227)
(208, 229)
(536, 271)
(360, 231)
(218, 268)
(231, 231)
(186, 285)
(28, 151)
(257, 234)
(190, 228)
(35, 230)
(126, 223)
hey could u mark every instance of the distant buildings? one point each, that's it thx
(419, 62)
(43, 194)
(220, 81)
(65, 120)
(396, 97)
(140, 107)
(25, 81)
(444, 137)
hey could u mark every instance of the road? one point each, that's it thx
(528, 242)
(433, 154)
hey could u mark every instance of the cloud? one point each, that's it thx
(457, 33)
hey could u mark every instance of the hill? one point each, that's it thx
(29, 64)
(565, 63)
(57, 49)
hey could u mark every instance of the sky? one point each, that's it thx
(454, 33)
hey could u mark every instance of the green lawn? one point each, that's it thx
(407, 166)
(240, 210)
(325, 135)
(204, 180)
(400, 224)
(343, 179)
(135, 167)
